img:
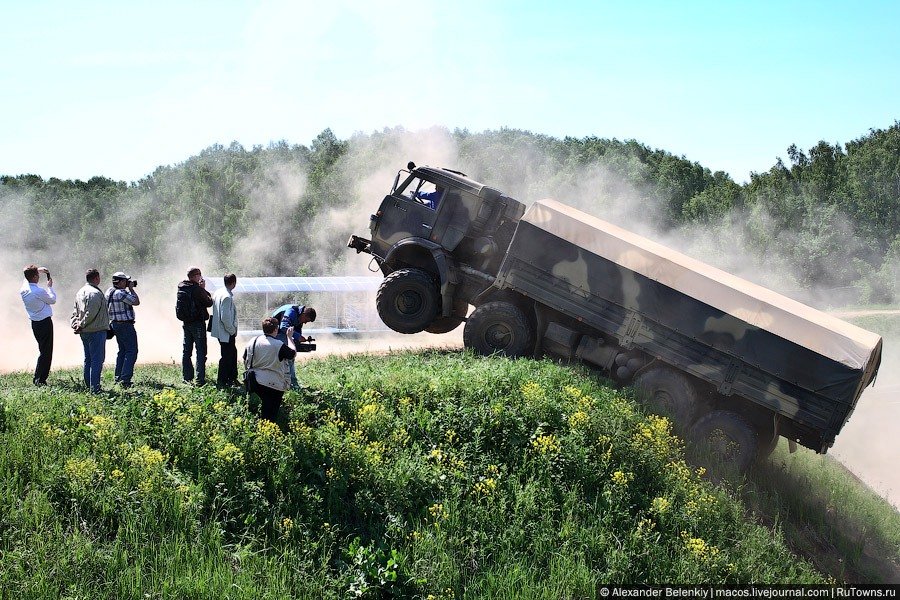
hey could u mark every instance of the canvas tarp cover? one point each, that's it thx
(760, 307)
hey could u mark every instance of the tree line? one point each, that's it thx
(830, 218)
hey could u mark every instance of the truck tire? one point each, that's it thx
(668, 393)
(446, 324)
(729, 439)
(407, 300)
(499, 327)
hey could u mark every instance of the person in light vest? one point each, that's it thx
(267, 360)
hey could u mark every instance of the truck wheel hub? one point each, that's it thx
(498, 336)
(409, 303)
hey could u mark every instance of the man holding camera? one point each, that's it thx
(190, 308)
(294, 318)
(121, 300)
(37, 304)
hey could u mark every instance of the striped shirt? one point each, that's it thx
(120, 302)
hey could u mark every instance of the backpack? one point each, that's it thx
(185, 305)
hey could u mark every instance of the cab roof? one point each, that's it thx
(453, 179)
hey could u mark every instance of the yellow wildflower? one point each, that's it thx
(532, 392)
(438, 512)
(368, 411)
(231, 454)
(101, 425)
(51, 432)
(660, 505)
(81, 471)
(375, 452)
(578, 419)
(546, 444)
(699, 547)
(621, 478)
(266, 429)
(485, 486)
(148, 458)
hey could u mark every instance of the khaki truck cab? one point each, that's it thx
(439, 238)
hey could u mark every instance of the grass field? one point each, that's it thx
(429, 475)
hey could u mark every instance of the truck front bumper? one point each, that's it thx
(360, 244)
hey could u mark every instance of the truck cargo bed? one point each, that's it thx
(742, 338)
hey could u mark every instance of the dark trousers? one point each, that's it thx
(270, 401)
(228, 370)
(194, 334)
(43, 333)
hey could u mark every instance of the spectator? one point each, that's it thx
(37, 304)
(223, 327)
(121, 300)
(295, 317)
(90, 320)
(265, 360)
(190, 307)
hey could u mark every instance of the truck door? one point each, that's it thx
(405, 213)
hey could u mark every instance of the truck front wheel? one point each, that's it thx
(728, 438)
(407, 300)
(499, 327)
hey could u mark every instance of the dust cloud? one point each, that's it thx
(869, 445)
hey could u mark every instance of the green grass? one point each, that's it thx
(885, 325)
(415, 475)
(828, 515)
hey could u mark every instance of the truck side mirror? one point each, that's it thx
(410, 165)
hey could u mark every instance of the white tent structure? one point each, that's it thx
(343, 304)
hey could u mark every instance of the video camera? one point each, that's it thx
(307, 346)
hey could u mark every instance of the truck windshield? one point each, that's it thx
(421, 191)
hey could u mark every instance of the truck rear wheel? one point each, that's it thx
(407, 300)
(729, 439)
(668, 393)
(499, 327)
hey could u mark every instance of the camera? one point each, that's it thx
(307, 346)
(133, 282)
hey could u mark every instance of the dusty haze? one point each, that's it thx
(868, 445)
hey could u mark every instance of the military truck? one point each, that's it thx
(735, 365)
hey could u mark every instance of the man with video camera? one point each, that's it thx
(121, 299)
(294, 317)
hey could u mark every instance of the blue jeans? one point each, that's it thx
(126, 336)
(194, 334)
(94, 355)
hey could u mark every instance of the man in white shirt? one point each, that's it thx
(223, 327)
(37, 304)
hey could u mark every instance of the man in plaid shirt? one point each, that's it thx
(122, 299)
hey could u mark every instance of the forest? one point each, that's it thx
(824, 228)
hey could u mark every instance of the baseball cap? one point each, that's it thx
(119, 275)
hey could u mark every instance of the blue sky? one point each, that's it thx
(119, 88)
